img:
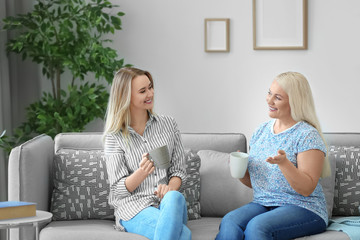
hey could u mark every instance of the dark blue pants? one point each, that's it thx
(256, 222)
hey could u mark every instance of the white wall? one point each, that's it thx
(225, 92)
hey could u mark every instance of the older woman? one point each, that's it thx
(287, 157)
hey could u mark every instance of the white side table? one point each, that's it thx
(41, 217)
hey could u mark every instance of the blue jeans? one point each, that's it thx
(256, 222)
(166, 222)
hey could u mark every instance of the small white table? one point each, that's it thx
(41, 217)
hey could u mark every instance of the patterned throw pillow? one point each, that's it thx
(191, 187)
(81, 186)
(347, 187)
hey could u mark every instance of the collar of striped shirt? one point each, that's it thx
(152, 117)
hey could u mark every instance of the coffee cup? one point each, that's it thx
(238, 164)
(161, 157)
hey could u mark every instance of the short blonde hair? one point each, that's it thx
(117, 117)
(302, 104)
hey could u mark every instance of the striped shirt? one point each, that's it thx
(123, 156)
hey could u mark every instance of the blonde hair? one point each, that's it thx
(302, 105)
(117, 117)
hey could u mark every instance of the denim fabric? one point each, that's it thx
(168, 222)
(254, 222)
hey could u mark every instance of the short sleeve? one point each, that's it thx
(310, 139)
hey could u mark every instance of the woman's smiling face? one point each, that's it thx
(142, 93)
(278, 102)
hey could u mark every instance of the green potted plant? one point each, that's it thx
(65, 35)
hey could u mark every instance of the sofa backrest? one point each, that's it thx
(223, 142)
(83, 141)
(342, 139)
(220, 142)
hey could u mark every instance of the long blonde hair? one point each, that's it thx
(117, 117)
(302, 105)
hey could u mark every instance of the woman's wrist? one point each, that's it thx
(141, 173)
(174, 183)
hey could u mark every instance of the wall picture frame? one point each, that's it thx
(217, 34)
(280, 24)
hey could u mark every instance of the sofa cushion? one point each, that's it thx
(85, 230)
(191, 187)
(205, 228)
(81, 186)
(219, 192)
(347, 187)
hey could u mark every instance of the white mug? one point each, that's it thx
(238, 164)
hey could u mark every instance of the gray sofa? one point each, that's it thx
(30, 179)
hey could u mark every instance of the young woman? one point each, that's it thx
(145, 198)
(286, 159)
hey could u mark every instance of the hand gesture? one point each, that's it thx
(162, 189)
(146, 165)
(278, 159)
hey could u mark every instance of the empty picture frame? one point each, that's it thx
(217, 34)
(280, 24)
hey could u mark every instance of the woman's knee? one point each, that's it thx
(229, 220)
(258, 229)
(229, 229)
(233, 218)
(230, 223)
(175, 196)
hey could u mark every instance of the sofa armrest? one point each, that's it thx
(29, 177)
(30, 168)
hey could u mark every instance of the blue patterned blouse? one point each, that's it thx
(269, 184)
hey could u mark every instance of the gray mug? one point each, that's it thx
(161, 157)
